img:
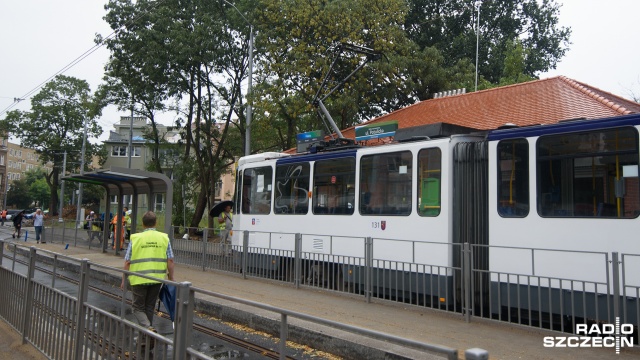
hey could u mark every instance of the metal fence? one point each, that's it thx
(530, 297)
(66, 325)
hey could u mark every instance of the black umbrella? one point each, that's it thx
(168, 298)
(219, 208)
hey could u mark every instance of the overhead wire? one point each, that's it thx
(82, 57)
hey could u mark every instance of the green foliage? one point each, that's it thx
(18, 194)
(297, 42)
(450, 25)
(38, 189)
(56, 123)
(190, 55)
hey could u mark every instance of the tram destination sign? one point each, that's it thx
(377, 130)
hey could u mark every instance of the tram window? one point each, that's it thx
(256, 190)
(589, 174)
(292, 189)
(385, 184)
(513, 178)
(334, 186)
(429, 177)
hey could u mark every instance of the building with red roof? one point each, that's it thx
(544, 101)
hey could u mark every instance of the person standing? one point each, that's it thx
(226, 218)
(127, 222)
(3, 216)
(114, 223)
(38, 223)
(149, 253)
(94, 229)
(17, 223)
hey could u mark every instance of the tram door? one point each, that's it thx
(470, 214)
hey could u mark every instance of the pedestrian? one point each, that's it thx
(38, 223)
(127, 222)
(149, 253)
(17, 224)
(93, 227)
(3, 216)
(226, 218)
(114, 223)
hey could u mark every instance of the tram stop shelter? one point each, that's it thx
(124, 181)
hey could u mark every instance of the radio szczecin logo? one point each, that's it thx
(595, 336)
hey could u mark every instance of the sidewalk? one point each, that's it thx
(502, 341)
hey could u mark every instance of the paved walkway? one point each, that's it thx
(503, 341)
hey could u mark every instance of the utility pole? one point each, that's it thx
(247, 150)
(64, 169)
(84, 142)
(127, 199)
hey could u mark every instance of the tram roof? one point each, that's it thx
(565, 126)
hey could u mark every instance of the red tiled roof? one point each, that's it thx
(544, 101)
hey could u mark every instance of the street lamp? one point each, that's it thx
(247, 145)
(84, 141)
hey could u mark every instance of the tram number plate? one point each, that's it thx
(379, 225)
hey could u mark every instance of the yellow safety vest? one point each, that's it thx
(223, 225)
(148, 256)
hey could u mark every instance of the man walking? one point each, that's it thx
(38, 224)
(149, 253)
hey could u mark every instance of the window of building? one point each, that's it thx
(1, 159)
(385, 184)
(334, 185)
(589, 174)
(218, 192)
(159, 203)
(429, 181)
(118, 151)
(513, 178)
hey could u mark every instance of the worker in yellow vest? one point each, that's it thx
(149, 253)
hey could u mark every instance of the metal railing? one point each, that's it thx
(66, 325)
(530, 296)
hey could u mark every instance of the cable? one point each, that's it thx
(81, 57)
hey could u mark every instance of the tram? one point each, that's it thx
(569, 190)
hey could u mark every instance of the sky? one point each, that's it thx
(38, 38)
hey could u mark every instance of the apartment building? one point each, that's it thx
(141, 154)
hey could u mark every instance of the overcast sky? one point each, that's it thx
(40, 37)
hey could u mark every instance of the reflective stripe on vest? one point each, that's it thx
(148, 256)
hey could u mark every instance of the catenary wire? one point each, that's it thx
(81, 57)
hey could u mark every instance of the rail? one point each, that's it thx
(67, 326)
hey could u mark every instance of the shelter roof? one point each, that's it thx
(126, 179)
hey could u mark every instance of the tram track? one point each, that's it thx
(102, 343)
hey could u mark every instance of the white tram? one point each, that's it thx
(543, 208)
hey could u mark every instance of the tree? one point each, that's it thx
(297, 42)
(18, 194)
(56, 123)
(191, 54)
(38, 190)
(449, 26)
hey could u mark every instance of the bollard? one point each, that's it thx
(476, 354)
(26, 234)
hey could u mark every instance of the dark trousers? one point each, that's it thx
(38, 232)
(145, 297)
